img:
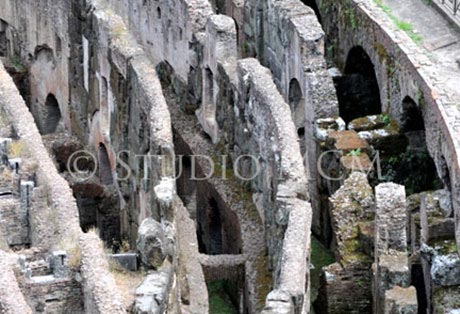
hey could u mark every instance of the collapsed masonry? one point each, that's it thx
(120, 79)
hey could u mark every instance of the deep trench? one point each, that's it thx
(217, 226)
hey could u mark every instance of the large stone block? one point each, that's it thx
(401, 301)
(152, 294)
(391, 218)
(150, 241)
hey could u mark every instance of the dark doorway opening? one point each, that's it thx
(412, 116)
(52, 115)
(358, 90)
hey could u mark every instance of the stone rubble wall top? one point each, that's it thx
(12, 300)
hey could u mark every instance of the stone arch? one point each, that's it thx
(105, 169)
(43, 53)
(358, 90)
(218, 228)
(52, 115)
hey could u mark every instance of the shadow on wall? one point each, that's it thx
(52, 115)
(105, 170)
(357, 90)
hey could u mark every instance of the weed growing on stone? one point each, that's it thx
(406, 27)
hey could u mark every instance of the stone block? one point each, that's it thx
(150, 240)
(435, 211)
(367, 123)
(445, 270)
(127, 260)
(391, 218)
(347, 141)
(324, 127)
(152, 294)
(401, 301)
(58, 264)
(278, 302)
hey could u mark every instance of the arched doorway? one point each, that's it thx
(105, 170)
(358, 90)
(412, 118)
(52, 115)
(295, 102)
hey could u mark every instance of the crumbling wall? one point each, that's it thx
(64, 209)
(402, 69)
(39, 45)
(171, 32)
(135, 127)
(99, 287)
(282, 185)
(64, 229)
(12, 300)
(287, 38)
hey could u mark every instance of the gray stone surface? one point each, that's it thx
(401, 301)
(126, 260)
(150, 243)
(152, 294)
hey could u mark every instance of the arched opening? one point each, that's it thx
(52, 115)
(312, 4)
(105, 170)
(412, 118)
(413, 167)
(358, 90)
(215, 228)
(297, 110)
(159, 13)
(4, 44)
(295, 102)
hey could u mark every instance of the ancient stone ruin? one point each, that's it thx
(229, 156)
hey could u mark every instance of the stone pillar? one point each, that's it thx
(391, 258)
(25, 191)
(221, 47)
(391, 219)
(58, 264)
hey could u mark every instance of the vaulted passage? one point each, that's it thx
(412, 165)
(52, 115)
(357, 90)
